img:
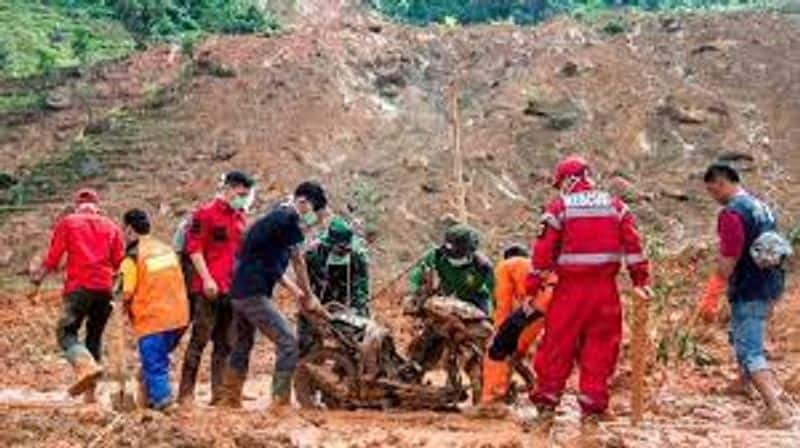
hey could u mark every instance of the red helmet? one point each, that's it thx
(86, 196)
(572, 166)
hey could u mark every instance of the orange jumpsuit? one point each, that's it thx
(510, 293)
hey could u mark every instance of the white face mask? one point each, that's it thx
(459, 262)
(338, 260)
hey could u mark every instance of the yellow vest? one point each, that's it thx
(159, 301)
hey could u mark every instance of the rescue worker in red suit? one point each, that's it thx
(585, 237)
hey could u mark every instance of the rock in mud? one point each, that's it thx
(58, 100)
(7, 180)
(569, 70)
(262, 440)
(560, 115)
(6, 255)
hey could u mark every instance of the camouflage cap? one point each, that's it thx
(462, 237)
(339, 232)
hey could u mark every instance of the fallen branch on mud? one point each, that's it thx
(108, 429)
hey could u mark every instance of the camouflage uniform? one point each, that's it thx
(336, 277)
(470, 280)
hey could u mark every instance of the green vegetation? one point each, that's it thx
(39, 39)
(94, 156)
(42, 37)
(365, 201)
(159, 19)
(531, 11)
(21, 102)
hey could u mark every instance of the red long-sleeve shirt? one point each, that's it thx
(94, 248)
(590, 231)
(216, 232)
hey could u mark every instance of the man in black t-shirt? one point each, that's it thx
(270, 245)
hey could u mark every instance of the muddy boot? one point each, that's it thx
(218, 395)
(90, 396)
(232, 386)
(281, 393)
(776, 415)
(141, 393)
(186, 390)
(87, 371)
(535, 418)
(492, 410)
(777, 418)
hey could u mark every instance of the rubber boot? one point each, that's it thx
(90, 396)
(232, 386)
(87, 371)
(142, 401)
(281, 392)
(186, 388)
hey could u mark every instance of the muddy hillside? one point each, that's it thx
(368, 107)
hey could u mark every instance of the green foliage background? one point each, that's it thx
(171, 18)
(530, 11)
(38, 37)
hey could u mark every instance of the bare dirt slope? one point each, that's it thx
(365, 106)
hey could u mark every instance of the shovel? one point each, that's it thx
(121, 400)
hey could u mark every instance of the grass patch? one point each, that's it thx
(21, 102)
(36, 39)
(92, 157)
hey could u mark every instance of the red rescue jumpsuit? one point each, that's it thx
(586, 235)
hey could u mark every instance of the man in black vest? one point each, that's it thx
(752, 290)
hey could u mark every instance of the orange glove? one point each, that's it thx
(708, 308)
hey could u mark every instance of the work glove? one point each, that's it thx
(506, 339)
(708, 307)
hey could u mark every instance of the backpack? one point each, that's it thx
(770, 250)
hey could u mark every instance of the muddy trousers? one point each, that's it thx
(497, 374)
(154, 351)
(262, 314)
(92, 307)
(583, 324)
(211, 322)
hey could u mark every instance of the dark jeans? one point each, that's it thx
(260, 313)
(81, 305)
(211, 321)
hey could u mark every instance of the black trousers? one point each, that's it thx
(79, 306)
(211, 321)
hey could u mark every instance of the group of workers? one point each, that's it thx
(219, 280)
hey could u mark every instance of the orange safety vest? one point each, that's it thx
(159, 302)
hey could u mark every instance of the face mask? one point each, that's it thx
(335, 259)
(239, 202)
(459, 262)
(310, 218)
